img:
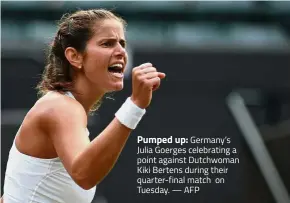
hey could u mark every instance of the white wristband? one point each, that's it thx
(130, 114)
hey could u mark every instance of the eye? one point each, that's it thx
(108, 43)
(123, 43)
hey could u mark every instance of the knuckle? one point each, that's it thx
(147, 64)
(134, 69)
(134, 72)
(139, 77)
(137, 72)
(141, 80)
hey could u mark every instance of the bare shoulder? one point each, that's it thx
(63, 120)
(55, 108)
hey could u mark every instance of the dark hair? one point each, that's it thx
(74, 30)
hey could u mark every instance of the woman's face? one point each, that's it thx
(105, 56)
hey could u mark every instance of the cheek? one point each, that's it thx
(126, 58)
(96, 63)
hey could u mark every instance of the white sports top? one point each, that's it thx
(34, 180)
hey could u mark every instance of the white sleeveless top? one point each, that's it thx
(34, 180)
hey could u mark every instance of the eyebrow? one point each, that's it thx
(112, 38)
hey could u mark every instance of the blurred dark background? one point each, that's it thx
(207, 50)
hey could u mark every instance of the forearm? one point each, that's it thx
(96, 161)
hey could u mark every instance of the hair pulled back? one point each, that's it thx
(74, 30)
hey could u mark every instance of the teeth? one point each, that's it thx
(117, 65)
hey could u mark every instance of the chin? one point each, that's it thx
(116, 87)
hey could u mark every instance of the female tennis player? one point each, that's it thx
(52, 159)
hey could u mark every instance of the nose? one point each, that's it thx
(120, 50)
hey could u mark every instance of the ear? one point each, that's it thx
(74, 57)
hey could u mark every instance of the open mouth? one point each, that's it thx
(116, 70)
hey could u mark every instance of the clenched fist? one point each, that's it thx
(145, 79)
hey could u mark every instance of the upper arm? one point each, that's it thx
(65, 124)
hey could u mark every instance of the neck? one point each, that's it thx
(86, 95)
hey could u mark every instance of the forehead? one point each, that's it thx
(109, 28)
